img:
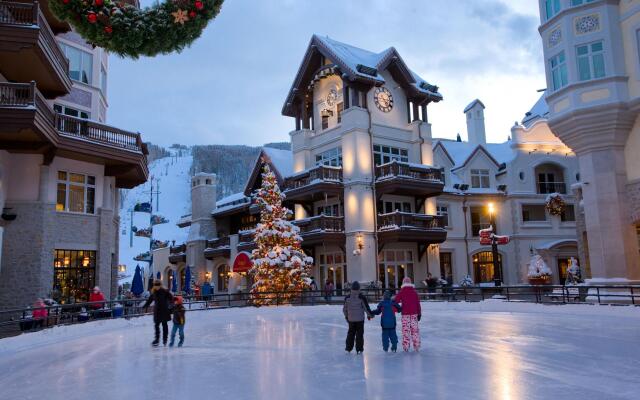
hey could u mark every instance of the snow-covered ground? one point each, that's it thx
(489, 350)
(175, 201)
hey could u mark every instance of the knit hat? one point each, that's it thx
(387, 295)
(96, 289)
(406, 281)
(178, 299)
(355, 285)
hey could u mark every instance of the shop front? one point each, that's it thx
(74, 275)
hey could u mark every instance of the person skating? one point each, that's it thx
(179, 319)
(388, 308)
(411, 314)
(161, 312)
(354, 309)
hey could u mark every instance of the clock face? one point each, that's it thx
(383, 99)
(332, 97)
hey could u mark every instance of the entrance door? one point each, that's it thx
(563, 265)
(332, 267)
(393, 266)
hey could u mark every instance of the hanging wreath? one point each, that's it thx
(128, 31)
(555, 204)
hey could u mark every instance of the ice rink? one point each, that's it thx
(490, 350)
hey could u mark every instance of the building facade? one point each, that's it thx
(61, 166)
(592, 64)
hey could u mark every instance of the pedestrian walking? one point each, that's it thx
(388, 309)
(162, 300)
(179, 319)
(354, 309)
(328, 290)
(411, 315)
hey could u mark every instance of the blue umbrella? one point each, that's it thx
(137, 286)
(174, 282)
(187, 281)
(158, 275)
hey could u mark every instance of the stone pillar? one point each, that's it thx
(43, 187)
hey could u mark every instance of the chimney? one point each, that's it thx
(474, 113)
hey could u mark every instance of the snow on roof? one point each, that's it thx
(538, 111)
(281, 159)
(461, 151)
(225, 201)
(351, 56)
(472, 104)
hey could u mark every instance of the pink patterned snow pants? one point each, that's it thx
(410, 332)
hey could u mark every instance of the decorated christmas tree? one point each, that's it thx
(538, 268)
(279, 264)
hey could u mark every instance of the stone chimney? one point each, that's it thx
(203, 201)
(474, 113)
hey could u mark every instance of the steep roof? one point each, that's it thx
(472, 104)
(540, 110)
(280, 162)
(461, 152)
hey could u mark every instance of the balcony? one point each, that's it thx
(29, 124)
(321, 229)
(408, 227)
(246, 241)
(552, 187)
(29, 51)
(178, 254)
(313, 184)
(408, 179)
(219, 247)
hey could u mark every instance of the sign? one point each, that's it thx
(485, 241)
(242, 263)
(502, 239)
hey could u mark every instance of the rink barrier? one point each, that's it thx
(15, 321)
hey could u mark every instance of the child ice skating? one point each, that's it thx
(354, 309)
(411, 314)
(179, 320)
(388, 308)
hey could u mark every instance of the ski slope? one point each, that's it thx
(490, 350)
(172, 175)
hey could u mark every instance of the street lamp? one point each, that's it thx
(497, 273)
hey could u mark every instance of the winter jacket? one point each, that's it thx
(179, 317)
(388, 308)
(408, 298)
(96, 297)
(355, 306)
(39, 312)
(163, 299)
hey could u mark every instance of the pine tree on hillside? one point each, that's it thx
(279, 264)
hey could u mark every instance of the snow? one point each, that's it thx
(487, 350)
(538, 111)
(281, 159)
(351, 56)
(460, 151)
(175, 201)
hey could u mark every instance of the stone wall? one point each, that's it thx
(633, 192)
(581, 235)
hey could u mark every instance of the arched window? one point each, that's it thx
(223, 278)
(483, 266)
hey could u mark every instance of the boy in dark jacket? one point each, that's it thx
(179, 320)
(388, 308)
(354, 309)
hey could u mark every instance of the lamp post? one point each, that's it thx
(497, 273)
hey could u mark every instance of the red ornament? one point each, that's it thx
(92, 18)
(65, 1)
(199, 5)
(98, 2)
(192, 14)
(108, 29)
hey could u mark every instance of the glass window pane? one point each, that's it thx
(75, 61)
(62, 175)
(76, 198)
(582, 50)
(61, 197)
(87, 67)
(596, 47)
(598, 66)
(91, 199)
(77, 178)
(583, 69)
(91, 180)
(84, 115)
(57, 108)
(563, 75)
(70, 111)
(389, 256)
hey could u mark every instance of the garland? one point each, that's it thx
(127, 31)
(555, 204)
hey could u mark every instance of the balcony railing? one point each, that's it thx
(321, 173)
(218, 242)
(320, 223)
(408, 170)
(178, 249)
(402, 220)
(552, 187)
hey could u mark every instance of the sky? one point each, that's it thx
(230, 85)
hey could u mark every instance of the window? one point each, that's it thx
(443, 211)
(325, 122)
(340, 109)
(74, 275)
(80, 63)
(558, 71)
(590, 61)
(60, 109)
(333, 210)
(551, 7)
(385, 207)
(568, 214)
(479, 219)
(103, 80)
(394, 266)
(446, 271)
(333, 267)
(331, 157)
(223, 278)
(533, 213)
(578, 2)
(480, 178)
(76, 193)
(483, 266)
(386, 154)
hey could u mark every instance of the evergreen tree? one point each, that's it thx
(279, 264)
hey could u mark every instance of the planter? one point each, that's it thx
(541, 280)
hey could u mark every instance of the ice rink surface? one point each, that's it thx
(491, 350)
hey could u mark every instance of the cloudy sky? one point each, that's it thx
(229, 87)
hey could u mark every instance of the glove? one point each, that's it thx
(419, 317)
(369, 317)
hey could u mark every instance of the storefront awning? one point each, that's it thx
(242, 263)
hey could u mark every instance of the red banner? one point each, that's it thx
(485, 241)
(242, 263)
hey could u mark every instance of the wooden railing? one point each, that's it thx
(17, 94)
(218, 242)
(97, 132)
(319, 173)
(552, 187)
(402, 220)
(178, 249)
(320, 223)
(414, 171)
(247, 236)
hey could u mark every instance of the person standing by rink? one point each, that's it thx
(161, 312)
(411, 314)
(354, 309)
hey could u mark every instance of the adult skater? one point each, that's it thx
(161, 312)
(354, 309)
(411, 314)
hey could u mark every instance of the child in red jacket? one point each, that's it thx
(411, 314)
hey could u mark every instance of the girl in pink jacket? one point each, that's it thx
(411, 314)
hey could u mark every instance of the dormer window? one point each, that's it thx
(480, 179)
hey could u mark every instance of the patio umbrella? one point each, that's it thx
(158, 275)
(174, 282)
(137, 286)
(187, 281)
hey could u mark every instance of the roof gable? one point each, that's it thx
(478, 150)
(439, 148)
(276, 160)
